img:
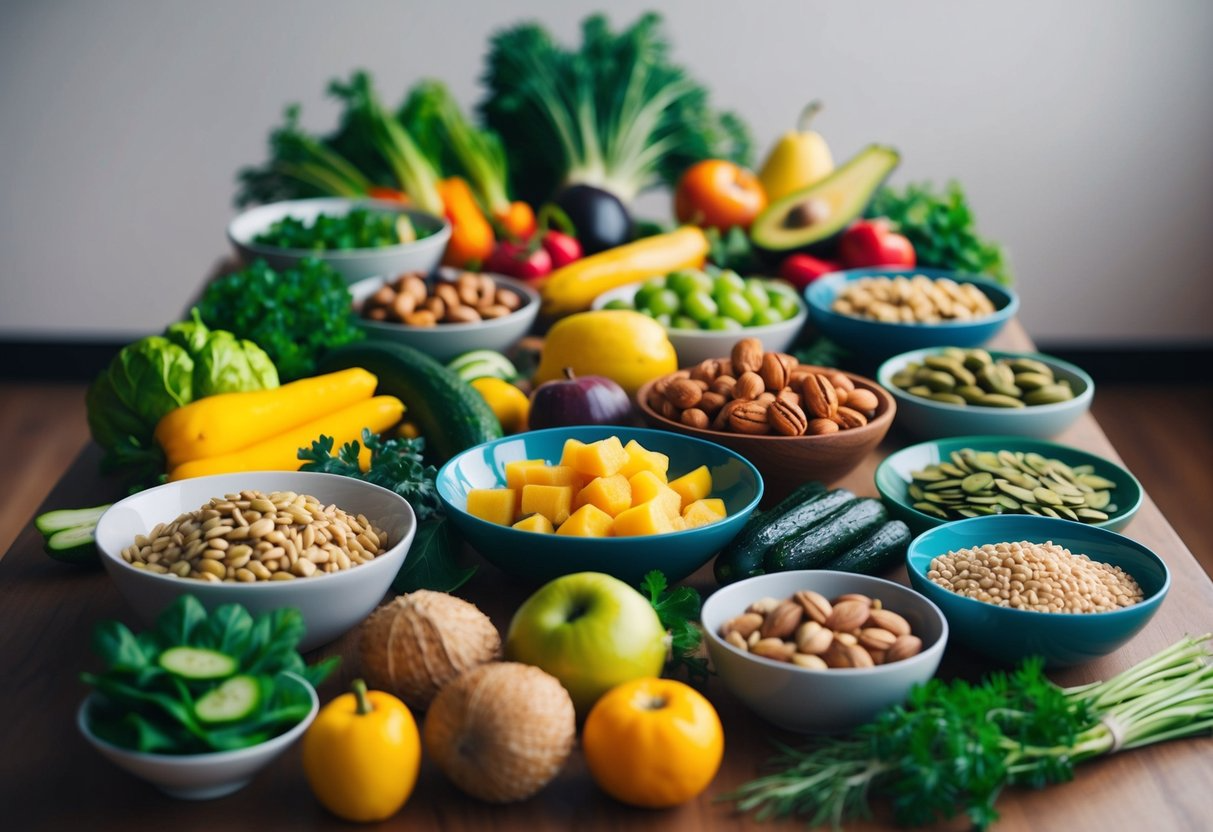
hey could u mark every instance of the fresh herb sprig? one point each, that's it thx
(678, 610)
(953, 746)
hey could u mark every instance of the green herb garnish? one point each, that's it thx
(678, 610)
(360, 228)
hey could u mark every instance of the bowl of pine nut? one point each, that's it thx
(327, 545)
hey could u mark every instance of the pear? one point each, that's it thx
(800, 158)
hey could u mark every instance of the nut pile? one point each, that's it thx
(253, 536)
(1041, 577)
(470, 297)
(756, 392)
(809, 631)
(912, 300)
(973, 377)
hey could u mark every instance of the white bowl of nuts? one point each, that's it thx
(448, 314)
(818, 651)
(327, 545)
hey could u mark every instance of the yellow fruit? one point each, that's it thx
(798, 159)
(494, 505)
(509, 404)
(587, 521)
(555, 502)
(536, 523)
(622, 345)
(692, 486)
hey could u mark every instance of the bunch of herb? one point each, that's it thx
(360, 228)
(678, 609)
(397, 464)
(953, 746)
(617, 114)
(295, 315)
(145, 703)
(942, 228)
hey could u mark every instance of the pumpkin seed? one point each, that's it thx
(975, 483)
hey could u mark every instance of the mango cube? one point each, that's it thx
(495, 505)
(702, 512)
(535, 523)
(515, 472)
(555, 502)
(587, 521)
(647, 487)
(600, 459)
(646, 518)
(569, 453)
(551, 475)
(692, 486)
(642, 459)
(679, 524)
(609, 494)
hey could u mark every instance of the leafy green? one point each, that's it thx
(432, 562)
(678, 610)
(222, 362)
(142, 706)
(360, 228)
(732, 249)
(942, 228)
(617, 113)
(295, 315)
(821, 352)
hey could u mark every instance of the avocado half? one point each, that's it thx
(813, 218)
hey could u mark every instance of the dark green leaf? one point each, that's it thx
(118, 647)
(432, 560)
(177, 623)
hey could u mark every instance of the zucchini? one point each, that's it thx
(235, 699)
(448, 412)
(821, 543)
(877, 553)
(742, 558)
(197, 663)
(68, 518)
(75, 545)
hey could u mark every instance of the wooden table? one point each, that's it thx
(51, 779)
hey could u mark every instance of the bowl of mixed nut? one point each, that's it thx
(1015, 586)
(448, 313)
(327, 545)
(879, 313)
(820, 651)
(794, 422)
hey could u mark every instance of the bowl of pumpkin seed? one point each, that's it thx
(954, 391)
(935, 482)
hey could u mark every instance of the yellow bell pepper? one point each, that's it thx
(218, 425)
(509, 404)
(281, 452)
(362, 754)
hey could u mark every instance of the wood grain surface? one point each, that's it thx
(50, 779)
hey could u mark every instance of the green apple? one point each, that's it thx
(590, 631)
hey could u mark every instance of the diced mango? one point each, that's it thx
(555, 502)
(692, 486)
(609, 494)
(536, 523)
(642, 459)
(551, 475)
(515, 472)
(679, 524)
(646, 518)
(495, 505)
(571, 448)
(702, 512)
(646, 487)
(602, 458)
(587, 521)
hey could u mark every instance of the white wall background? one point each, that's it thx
(1083, 131)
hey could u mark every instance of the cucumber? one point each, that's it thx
(877, 553)
(68, 518)
(826, 540)
(742, 558)
(480, 363)
(449, 413)
(235, 699)
(197, 663)
(75, 545)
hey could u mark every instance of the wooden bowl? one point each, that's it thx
(788, 461)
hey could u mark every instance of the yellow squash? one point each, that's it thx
(219, 425)
(280, 453)
(509, 404)
(570, 289)
(626, 347)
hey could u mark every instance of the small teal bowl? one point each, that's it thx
(1008, 635)
(893, 476)
(877, 340)
(930, 419)
(541, 557)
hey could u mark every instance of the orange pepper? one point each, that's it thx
(517, 220)
(471, 234)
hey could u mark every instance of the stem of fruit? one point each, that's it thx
(364, 706)
(811, 109)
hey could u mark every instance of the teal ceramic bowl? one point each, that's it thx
(930, 419)
(893, 475)
(541, 557)
(1008, 635)
(877, 340)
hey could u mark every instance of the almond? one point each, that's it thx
(813, 638)
(743, 624)
(816, 606)
(888, 620)
(848, 615)
(749, 386)
(875, 638)
(809, 662)
(774, 648)
(903, 648)
(782, 621)
(683, 393)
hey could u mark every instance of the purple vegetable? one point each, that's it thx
(579, 400)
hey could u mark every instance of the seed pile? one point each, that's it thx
(1041, 577)
(251, 536)
(912, 300)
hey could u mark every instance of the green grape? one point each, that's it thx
(700, 306)
(665, 302)
(687, 281)
(728, 281)
(617, 303)
(765, 317)
(684, 322)
(720, 323)
(757, 295)
(663, 319)
(734, 305)
(786, 305)
(651, 287)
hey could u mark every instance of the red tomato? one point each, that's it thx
(874, 243)
(719, 194)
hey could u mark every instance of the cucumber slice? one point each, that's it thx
(74, 545)
(481, 363)
(197, 663)
(68, 518)
(235, 699)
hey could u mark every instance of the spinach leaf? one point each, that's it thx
(116, 644)
(177, 623)
(431, 562)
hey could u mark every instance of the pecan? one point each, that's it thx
(782, 621)
(820, 397)
(864, 401)
(816, 607)
(723, 385)
(655, 400)
(788, 395)
(747, 355)
(749, 386)
(683, 393)
(840, 379)
(721, 420)
(662, 384)
(848, 418)
(706, 370)
(670, 410)
(711, 402)
(817, 427)
(774, 373)
(786, 418)
(695, 418)
(766, 397)
(749, 417)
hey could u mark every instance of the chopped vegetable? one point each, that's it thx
(954, 746)
(942, 229)
(678, 609)
(360, 228)
(616, 114)
(197, 663)
(69, 518)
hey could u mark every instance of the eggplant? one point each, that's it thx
(601, 219)
(579, 400)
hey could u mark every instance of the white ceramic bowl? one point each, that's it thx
(354, 264)
(330, 604)
(198, 776)
(821, 701)
(696, 345)
(446, 341)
